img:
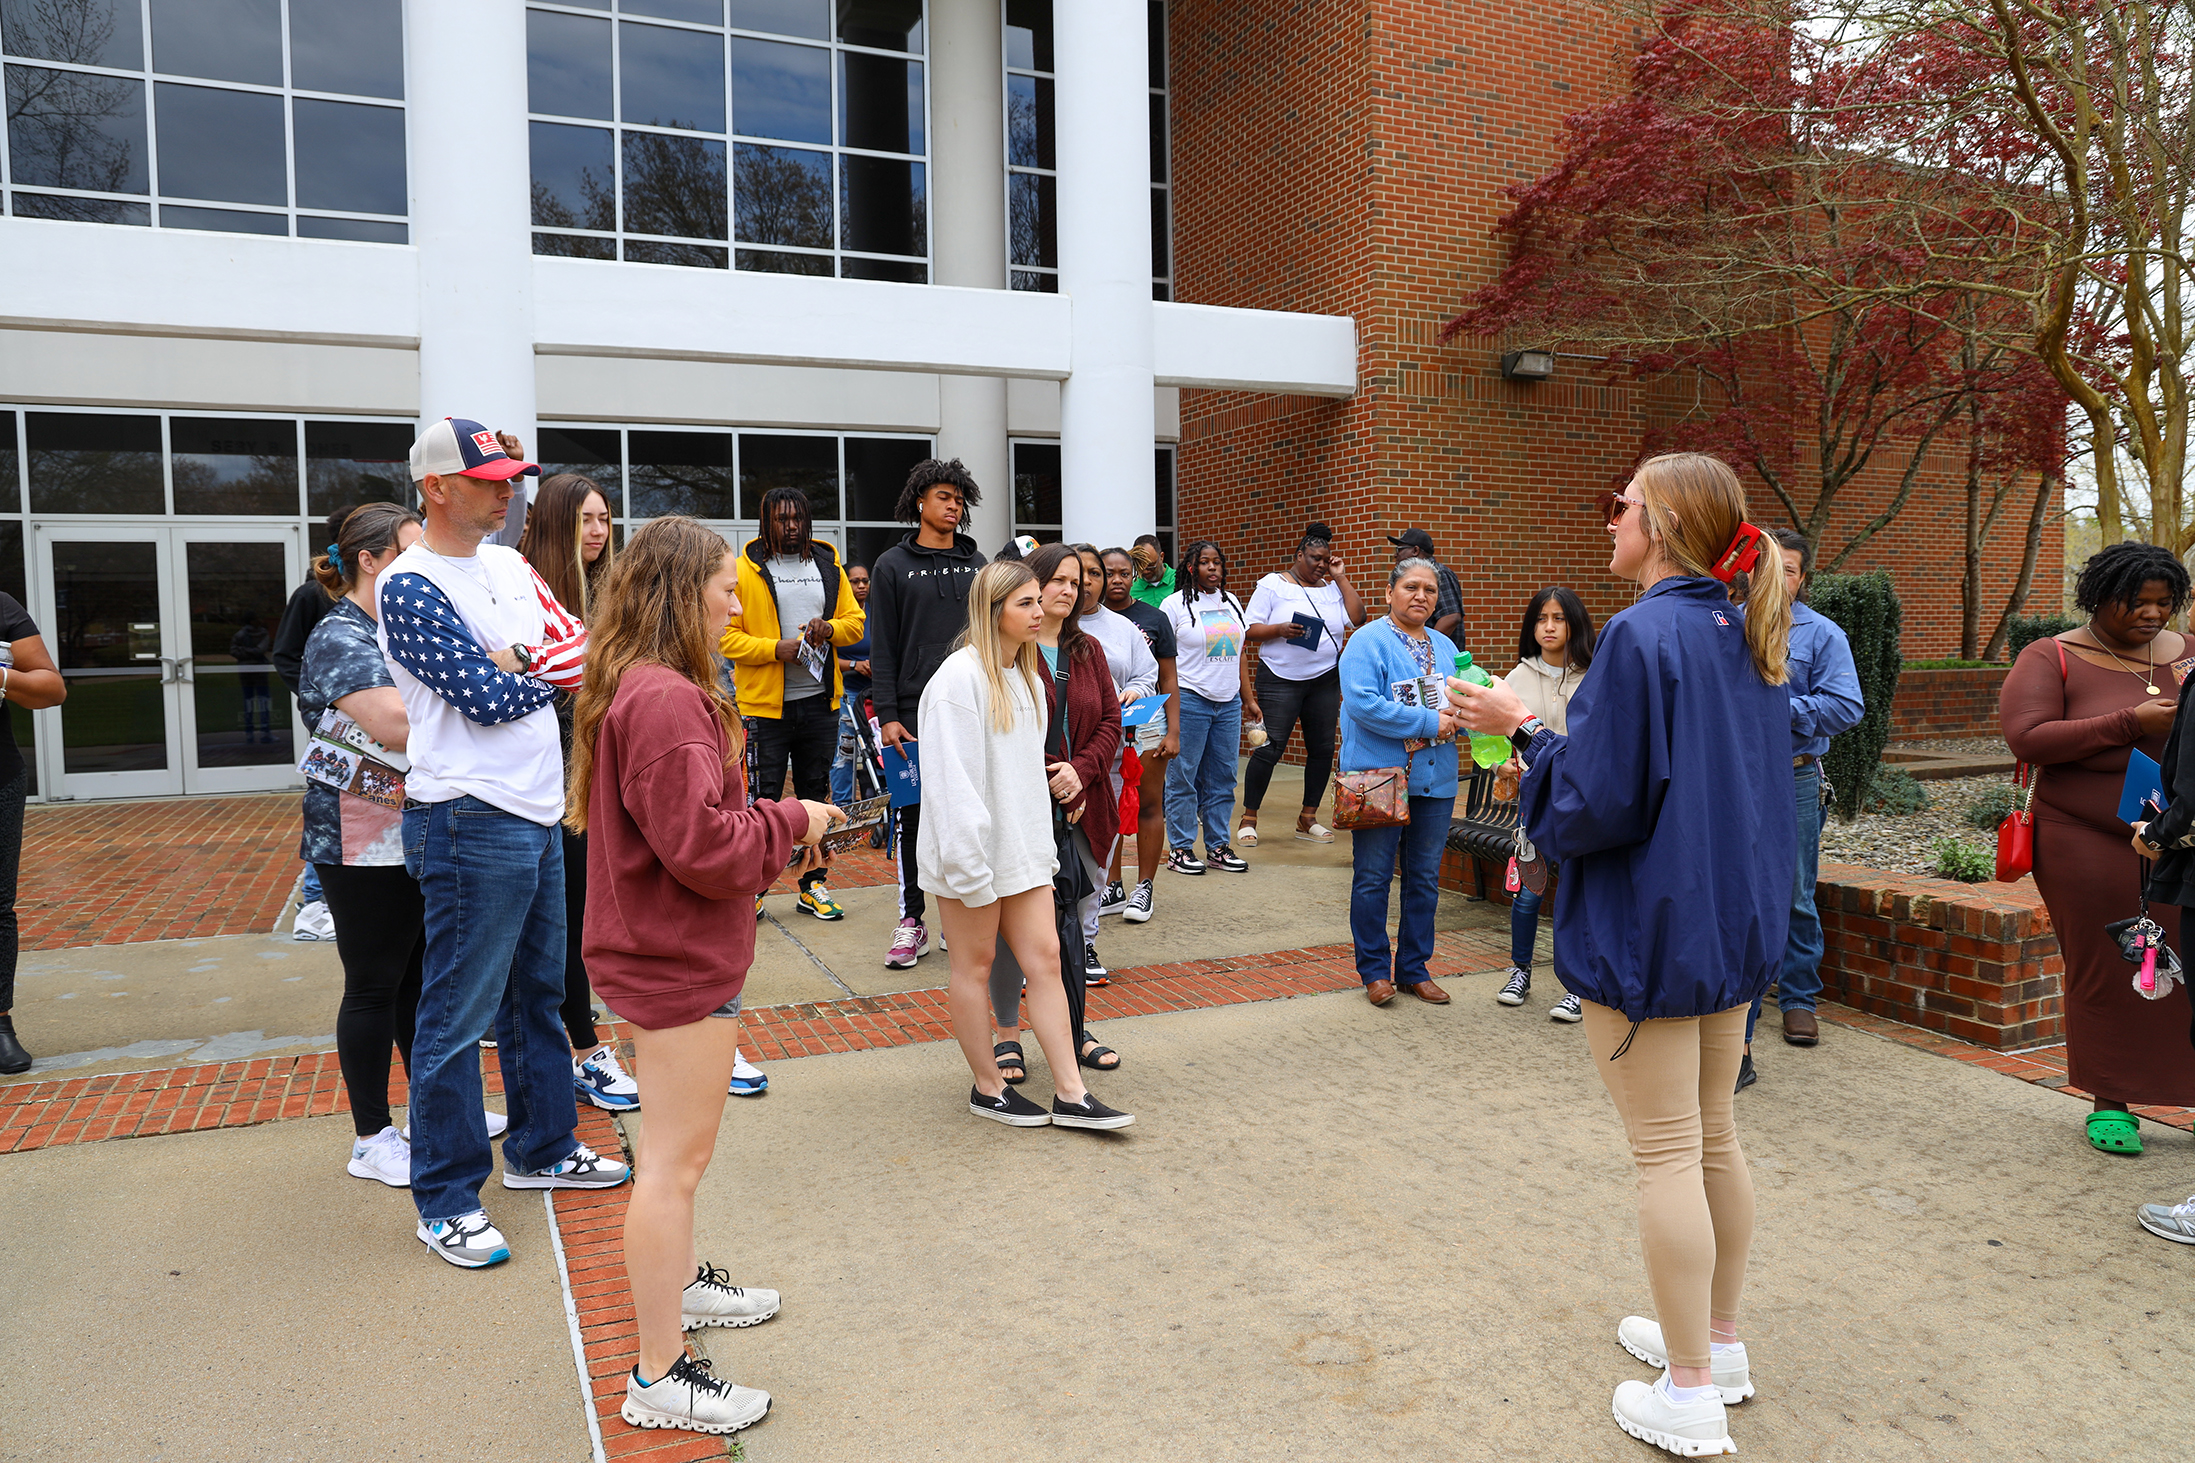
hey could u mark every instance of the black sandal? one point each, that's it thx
(1099, 1049)
(1011, 1066)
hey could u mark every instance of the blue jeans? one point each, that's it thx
(1799, 982)
(1373, 855)
(1524, 927)
(310, 890)
(494, 889)
(1202, 779)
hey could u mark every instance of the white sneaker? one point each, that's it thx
(585, 1169)
(689, 1397)
(498, 1125)
(385, 1157)
(1689, 1429)
(1733, 1374)
(313, 922)
(747, 1078)
(604, 1083)
(712, 1301)
(468, 1241)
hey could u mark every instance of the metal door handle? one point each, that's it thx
(183, 676)
(167, 671)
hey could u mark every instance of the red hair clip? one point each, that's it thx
(1744, 552)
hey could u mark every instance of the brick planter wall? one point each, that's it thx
(1978, 962)
(1947, 703)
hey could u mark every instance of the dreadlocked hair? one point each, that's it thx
(649, 610)
(2119, 574)
(1185, 580)
(929, 473)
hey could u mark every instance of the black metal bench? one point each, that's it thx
(1484, 831)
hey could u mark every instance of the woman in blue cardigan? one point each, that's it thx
(1669, 808)
(1374, 727)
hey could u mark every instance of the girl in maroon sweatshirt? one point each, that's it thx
(675, 858)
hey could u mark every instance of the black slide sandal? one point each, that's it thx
(1098, 1050)
(1010, 1064)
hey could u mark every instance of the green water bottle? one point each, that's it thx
(1486, 750)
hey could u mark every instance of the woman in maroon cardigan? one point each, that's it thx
(675, 856)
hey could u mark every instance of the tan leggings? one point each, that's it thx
(1674, 1091)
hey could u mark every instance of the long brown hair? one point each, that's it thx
(550, 541)
(370, 528)
(650, 612)
(1696, 502)
(1044, 563)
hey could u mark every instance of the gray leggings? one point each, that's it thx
(1006, 972)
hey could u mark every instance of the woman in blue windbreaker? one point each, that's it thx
(1374, 727)
(1666, 805)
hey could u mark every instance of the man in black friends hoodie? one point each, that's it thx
(918, 606)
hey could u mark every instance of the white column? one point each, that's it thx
(471, 211)
(968, 235)
(1106, 415)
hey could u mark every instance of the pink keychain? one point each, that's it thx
(2146, 981)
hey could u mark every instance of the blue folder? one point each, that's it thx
(903, 774)
(1137, 712)
(2144, 779)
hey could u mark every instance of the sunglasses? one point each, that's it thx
(1613, 505)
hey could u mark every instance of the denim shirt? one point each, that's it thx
(1824, 686)
(1374, 724)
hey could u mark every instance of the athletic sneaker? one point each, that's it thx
(1094, 972)
(1184, 861)
(498, 1125)
(747, 1078)
(1088, 1113)
(711, 1300)
(1009, 1107)
(385, 1157)
(816, 900)
(487, 1043)
(2175, 1222)
(1732, 1373)
(585, 1169)
(1224, 858)
(1518, 986)
(758, 909)
(1567, 1009)
(1115, 899)
(689, 1397)
(1139, 904)
(601, 1081)
(1689, 1429)
(313, 922)
(468, 1241)
(910, 942)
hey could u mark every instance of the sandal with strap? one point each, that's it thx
(1011, 1066)
(1094, 1058)
(2114, 1132)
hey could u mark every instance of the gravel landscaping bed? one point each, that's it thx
(1906, 844)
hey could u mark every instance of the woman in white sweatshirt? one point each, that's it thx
(987, 849)
(1553, 650)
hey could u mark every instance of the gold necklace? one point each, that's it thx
(2150, 681)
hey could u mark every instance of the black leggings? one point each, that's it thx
(11, 864)
(1317, 703)
(578, 995)
(381, 934)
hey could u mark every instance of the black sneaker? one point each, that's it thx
(1518, 986)
(1746, 1075)
(1223, 857)
(1094, 972)
(1088, 1113)
(1184, 861)
(1009, 1107)
(1115, 900)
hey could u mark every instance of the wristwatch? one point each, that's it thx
(1521, 738)
(525, 659)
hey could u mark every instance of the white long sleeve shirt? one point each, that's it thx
(986, 809)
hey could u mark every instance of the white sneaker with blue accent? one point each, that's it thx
(384, 1157)
(689, 1397)
(469, 1241)
(585, 1169)
(600, 1080)
(747, 1078)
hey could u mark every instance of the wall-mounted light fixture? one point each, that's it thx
(1528, 365)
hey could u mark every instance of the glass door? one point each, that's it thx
(165, 636)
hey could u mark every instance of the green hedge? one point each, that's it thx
(1866, 608)
(2026, 629)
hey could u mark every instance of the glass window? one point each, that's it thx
(357, 462)
(876, 471)
(1032, 185)
(807, 463)
(12, 579)
(220, 40)
(77, 146)
(681, 472)
(350, 46)
(568, 65)
(592, 453)
(671, 78)
(1029, 122)
(233, 465)
(1033, 218)
(11, 467)
(790, 87)
(1029, 35)
(1036, 487)
(81, 462)
(1162, 171)
(81, 32)
(350, 158)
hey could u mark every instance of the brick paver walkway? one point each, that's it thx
(166, 869)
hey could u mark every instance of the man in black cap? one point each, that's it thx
(1416, 543)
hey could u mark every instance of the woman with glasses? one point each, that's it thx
(1299, 618)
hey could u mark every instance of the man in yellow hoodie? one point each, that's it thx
(795, 610)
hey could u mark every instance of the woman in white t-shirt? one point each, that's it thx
(1298, 620)
(1213, 674)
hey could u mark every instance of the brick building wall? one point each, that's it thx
(1349, 157)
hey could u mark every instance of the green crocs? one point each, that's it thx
(2114, 1132)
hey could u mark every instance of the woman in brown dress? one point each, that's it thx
(2117, 687)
